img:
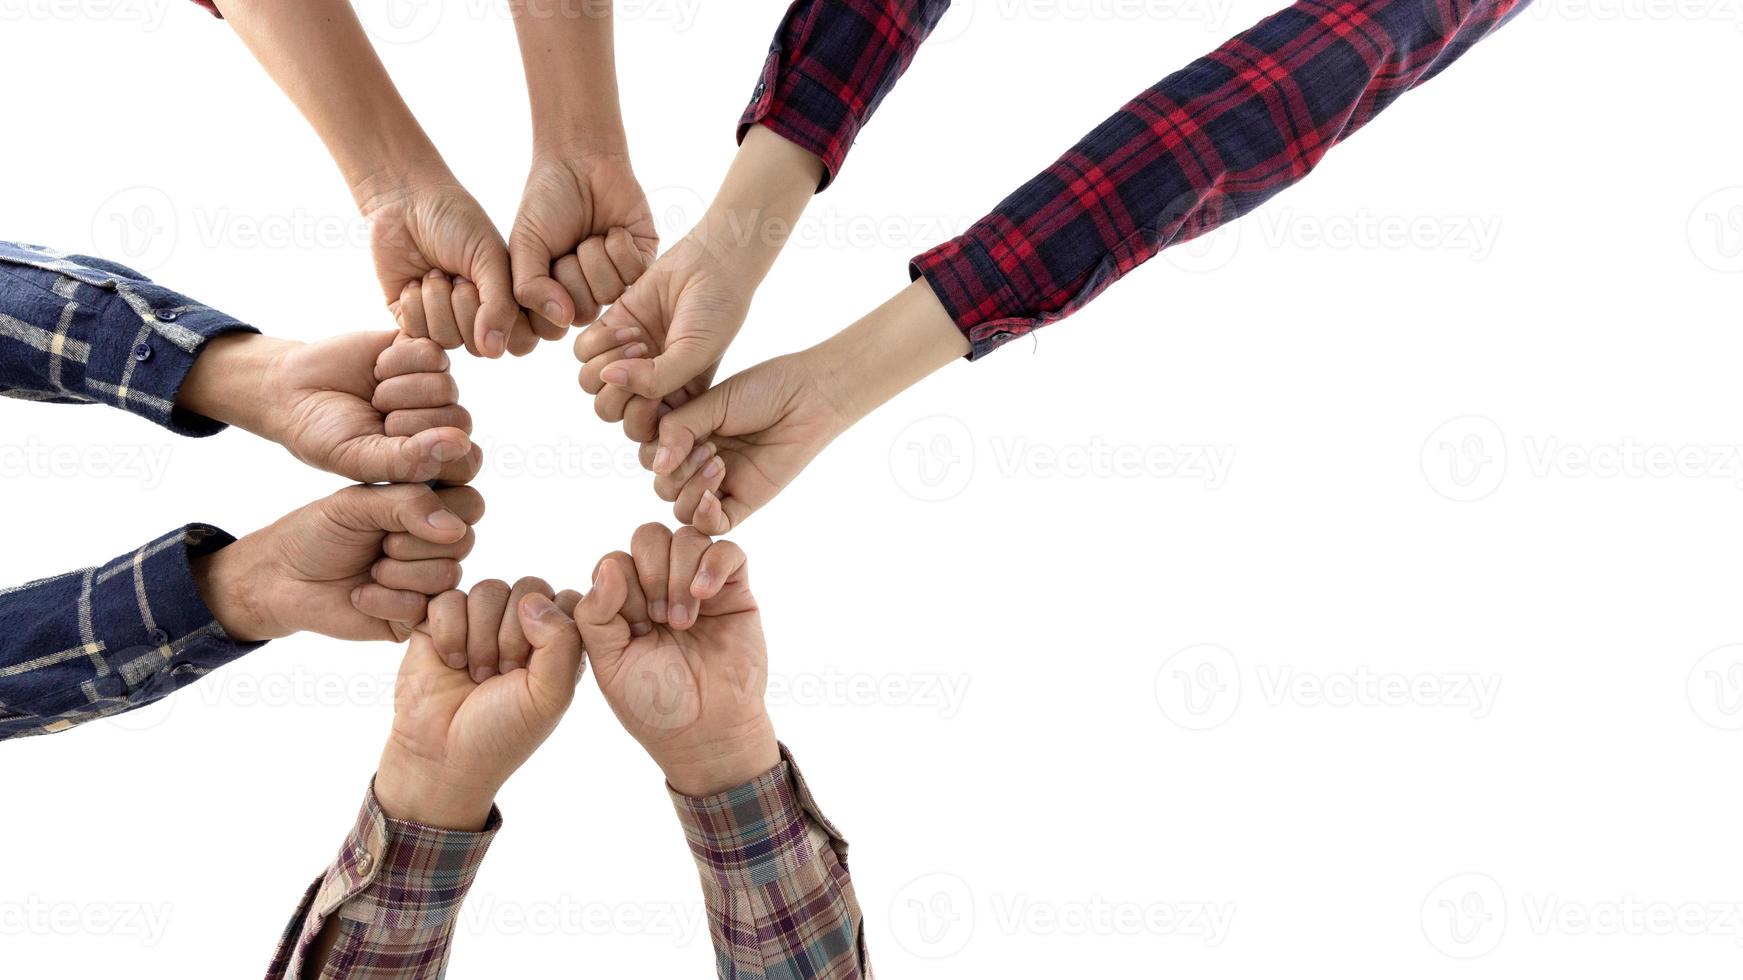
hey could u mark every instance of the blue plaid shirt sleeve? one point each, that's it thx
(77, 329)
(108, 639)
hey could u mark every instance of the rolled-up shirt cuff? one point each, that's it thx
(757, 833)
(980, 300)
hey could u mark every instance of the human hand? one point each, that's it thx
(455, 740)
(665, 338)
(677, 648)
(722, 455)
(444, 267)
(584, 232)
(372, 407)
(360, 564)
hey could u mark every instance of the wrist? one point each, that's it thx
(889, 350)
(229, 381)
(723, 764)
(392, 180)
(229, 582)
(415, 794)
(760, 202)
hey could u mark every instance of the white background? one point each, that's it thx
(1436, 675)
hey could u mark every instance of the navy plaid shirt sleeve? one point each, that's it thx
(774, 873)
(78, 329)
(1202, 147)
(108, 639)
(831, 64)
(396, 888)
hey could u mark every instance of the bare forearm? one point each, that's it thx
(890, 349)
(765, 192)
(318, 54)
(571, 70)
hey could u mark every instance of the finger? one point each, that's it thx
(431, 576)
(484, 610)
(411, 355)
(448, 627)
(669, 486)
(719, 513)
(466, 307)
(722, 564)
(466, 502)
(645, 454)
(610, 403)
(389, 605)
(409, 507)
(497, 307)
(406, 547)
(510, 640)
(428, 451)
(416, 391)
(651, 546)
(568, 272)
(625, 257)
(438, 292)
(602, 278)
(689, 424)
(592, 371)
(411, 421)
(534, 289)
(555, 643)
(641, 416)
(707, 480)
(602, 617)
(462, 470)
(635, 601)
(611, 330)
(685, 357)
(687, 548)
(411, 311)
(521, 338)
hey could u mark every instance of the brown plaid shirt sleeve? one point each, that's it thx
(397, 888)
(774, 873)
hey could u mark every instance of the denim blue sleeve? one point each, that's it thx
(108, 639)
(78, 329)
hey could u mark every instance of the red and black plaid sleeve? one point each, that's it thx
(831, 64)
(1202, 147)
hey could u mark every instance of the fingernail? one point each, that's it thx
(709, 500)
(714, 467)
(481, 673)
(658, 612)
(554, 312)
(537, 606)
(616, 374)
(703, 582)
(626, 334)
(446, 520)
(640, 629)
(508, 666)
(495, 342)
(662, 456)
(663, 411)
(700, 453)
(456, 660)
(597, 572)
(355, 593)
(635, 350)
(435, 274)
(446, 452)
(680, 615)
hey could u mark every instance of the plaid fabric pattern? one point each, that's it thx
(77, 329)
(831, 64)
(774, 873)
(108, 639)
(397, 888)
(1202, 147)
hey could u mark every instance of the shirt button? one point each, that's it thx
(364, 862)
(1002, 335)
(157, 636)
(167, 315)
(182, 670)
(142, 352)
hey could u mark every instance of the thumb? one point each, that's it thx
(599, 617)
(497, 307)
(408, 507)
(534, 288)
(411, 459)
(556, 658)
(691, 423)
(685, 357)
